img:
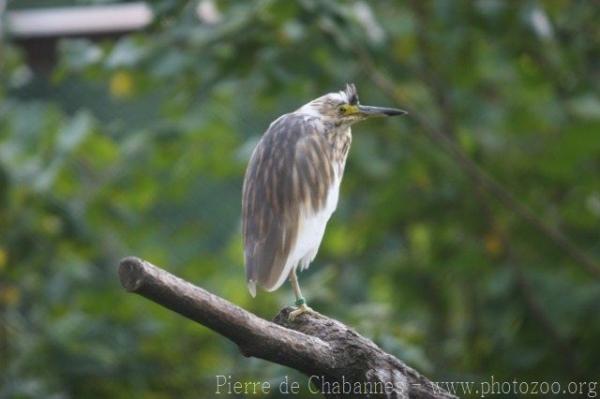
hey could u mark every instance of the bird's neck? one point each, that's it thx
(340, 139)
(337, 130)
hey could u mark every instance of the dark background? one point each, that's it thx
(136, 144)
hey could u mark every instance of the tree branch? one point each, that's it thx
(313, 344)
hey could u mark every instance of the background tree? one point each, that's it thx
(137, 145)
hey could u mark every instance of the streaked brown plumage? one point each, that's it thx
(291, 186)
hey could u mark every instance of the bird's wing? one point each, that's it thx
(289, 174)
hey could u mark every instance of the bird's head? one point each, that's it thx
(343, 107)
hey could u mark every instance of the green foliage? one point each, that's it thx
(138, 146)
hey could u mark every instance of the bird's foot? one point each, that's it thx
(301, 309)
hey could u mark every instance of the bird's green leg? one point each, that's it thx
(300, 301)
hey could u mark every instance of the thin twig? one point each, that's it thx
(479, 176)
(523, 284)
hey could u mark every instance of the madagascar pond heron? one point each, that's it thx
(292, 185)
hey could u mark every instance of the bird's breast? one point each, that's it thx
(340, 141)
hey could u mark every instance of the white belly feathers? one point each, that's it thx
(311, 227)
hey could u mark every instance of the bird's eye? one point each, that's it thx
(343, 109)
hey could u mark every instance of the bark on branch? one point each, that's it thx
(313, 344)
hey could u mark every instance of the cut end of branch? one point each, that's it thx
(131, 273)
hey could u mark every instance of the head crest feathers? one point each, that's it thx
(351, 93)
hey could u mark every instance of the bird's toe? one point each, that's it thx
(301, 309)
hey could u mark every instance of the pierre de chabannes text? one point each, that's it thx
(318, 385)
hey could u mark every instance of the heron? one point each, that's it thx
(291, 188)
